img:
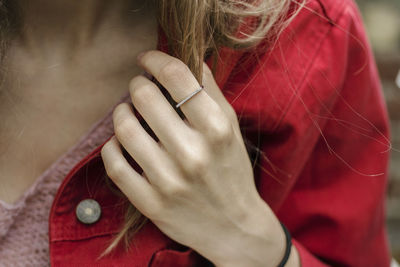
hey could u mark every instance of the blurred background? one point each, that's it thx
(382, 20)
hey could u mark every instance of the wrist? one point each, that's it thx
(259, 240)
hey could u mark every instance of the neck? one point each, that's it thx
(72, 25)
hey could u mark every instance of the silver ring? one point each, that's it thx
(189, 97)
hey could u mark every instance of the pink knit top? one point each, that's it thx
(24, 224)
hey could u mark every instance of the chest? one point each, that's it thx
(46, 107)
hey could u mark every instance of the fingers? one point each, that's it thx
(142, 147)
(212, 89)
(131, 183)
(162, 118)
(201, 110)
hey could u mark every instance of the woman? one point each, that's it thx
(305, 109)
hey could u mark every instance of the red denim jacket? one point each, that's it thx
(313, 105)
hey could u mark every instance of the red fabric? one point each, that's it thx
(313, 104)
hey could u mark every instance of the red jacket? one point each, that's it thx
(313, 105)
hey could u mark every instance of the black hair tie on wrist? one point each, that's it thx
(288, 246)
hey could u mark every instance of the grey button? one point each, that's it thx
(88, 211)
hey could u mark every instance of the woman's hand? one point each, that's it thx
(197, 183)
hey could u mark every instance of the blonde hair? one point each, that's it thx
(196, 28)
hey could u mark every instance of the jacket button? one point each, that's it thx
(88, 211)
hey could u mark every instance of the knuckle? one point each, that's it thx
(141, 94)
(118, 110)
(123, 128)
(174, 69)
(134, 82)
(148, 55)
(195, 162)
(116, 170)
(104, 149)
(220, 131)
(174, 189)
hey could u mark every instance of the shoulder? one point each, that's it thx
(332, 10)
(304, 69)
(325, 14)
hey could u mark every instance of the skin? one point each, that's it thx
(198, 178)
(197, 185)
(78, 71)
